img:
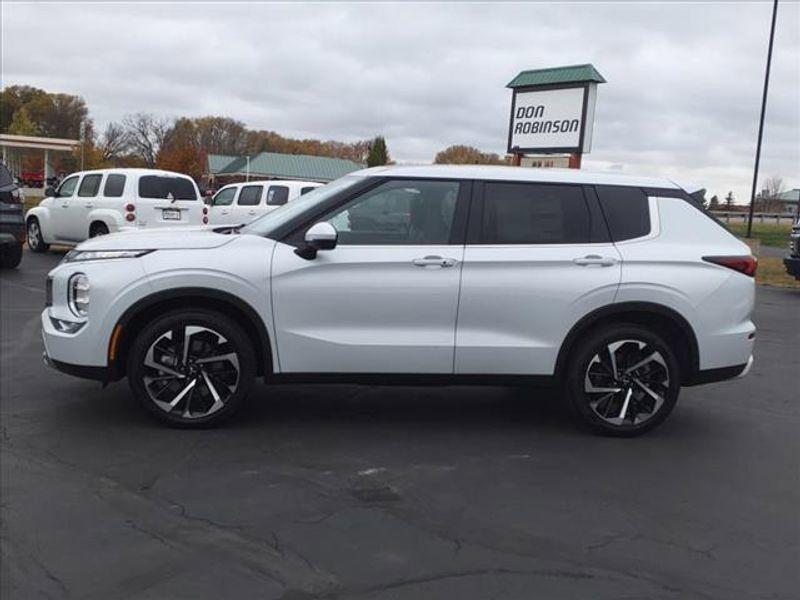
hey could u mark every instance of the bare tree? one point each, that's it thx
(145, 134)
(770, 202)
(114, 142)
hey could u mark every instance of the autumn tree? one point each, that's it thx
(466, 155)
(181, 149)
(22, 124)
(378, 155)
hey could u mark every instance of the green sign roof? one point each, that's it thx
(555, 75)
(289, 166)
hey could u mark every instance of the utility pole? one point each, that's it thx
(247, 174)
(761, 122)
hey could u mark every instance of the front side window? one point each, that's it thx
(399, 212)
(166, 187)
(250, 195)
(67, 187)
(224, 197)
(115, 185)
(532, 213)
(277, 195)
(626, 209)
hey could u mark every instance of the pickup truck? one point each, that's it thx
(792, 261)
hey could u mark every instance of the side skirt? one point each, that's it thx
(412, 379)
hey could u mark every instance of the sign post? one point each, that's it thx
(552, 112)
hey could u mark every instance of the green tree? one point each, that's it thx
(714, 203)
(378, 155)
(22, 124)
(729, 201)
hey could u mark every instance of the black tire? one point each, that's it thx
(10, 256)
(35, 239)
(98, 229)
(210, 378)
(590, 367)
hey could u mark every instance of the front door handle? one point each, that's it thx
(434, 261)
(89, 204)
(251, 212)
(595, 259)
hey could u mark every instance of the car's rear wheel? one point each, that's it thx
(10, 255)
(191, 368)
(624, 380)
(98, 229)
(35, 239)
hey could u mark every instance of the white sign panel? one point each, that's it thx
(548, 120)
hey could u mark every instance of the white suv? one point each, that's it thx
(92, 203)
(240, 203)
(618, 288)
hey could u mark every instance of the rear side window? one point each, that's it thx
(277, 195)
(627, 211)
(250, 195)
(89, 186)
(162, 186)
(115, 185)
(524, 213)
(307, 189)
(224, 197)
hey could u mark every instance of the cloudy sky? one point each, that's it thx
(682, 98)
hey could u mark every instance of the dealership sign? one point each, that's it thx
(556, 116)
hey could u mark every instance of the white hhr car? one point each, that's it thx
(619, 289)
(92, 203)
(240, 203)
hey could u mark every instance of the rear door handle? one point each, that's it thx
(595, 259)
(251, 212)
(434, 261)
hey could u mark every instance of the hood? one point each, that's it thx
(163, 238)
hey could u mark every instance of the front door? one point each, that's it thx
(538, 258)
(222, 207)
(63, 204)
(385, 299)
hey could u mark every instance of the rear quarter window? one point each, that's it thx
(626, 209)
(161, 187)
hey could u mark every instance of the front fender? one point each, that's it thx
(43, 213)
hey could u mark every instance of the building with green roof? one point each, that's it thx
(271, 165)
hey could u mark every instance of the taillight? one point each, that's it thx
(205, 210)
(130, 217)
(130, 207)
(205, 220)
(743, 264)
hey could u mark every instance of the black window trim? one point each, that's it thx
(295, 230)
(474, 228)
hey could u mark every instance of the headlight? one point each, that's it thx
(78, 294)
(82, 255)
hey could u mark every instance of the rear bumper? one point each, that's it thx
(792, 264)
(721, 374)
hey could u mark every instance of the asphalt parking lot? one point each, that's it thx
(403, 493)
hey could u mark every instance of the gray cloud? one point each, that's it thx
(682, 98)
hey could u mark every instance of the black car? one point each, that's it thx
(12, 221)
(792, 262)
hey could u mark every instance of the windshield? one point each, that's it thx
(269, 222)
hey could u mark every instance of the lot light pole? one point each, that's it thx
(761, 122)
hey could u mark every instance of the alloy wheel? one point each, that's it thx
(191, 371)
(33, 235)
(626, 383)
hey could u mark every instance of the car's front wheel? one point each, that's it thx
(35, 240)
(191, 368)
(623, 380)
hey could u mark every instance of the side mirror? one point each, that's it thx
(320, 236)
(50, 192)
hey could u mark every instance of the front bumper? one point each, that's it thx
(82, 371)
(792, 264)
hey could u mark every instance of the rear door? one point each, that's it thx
(538, 258)
(249, 204)
(167, 200)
